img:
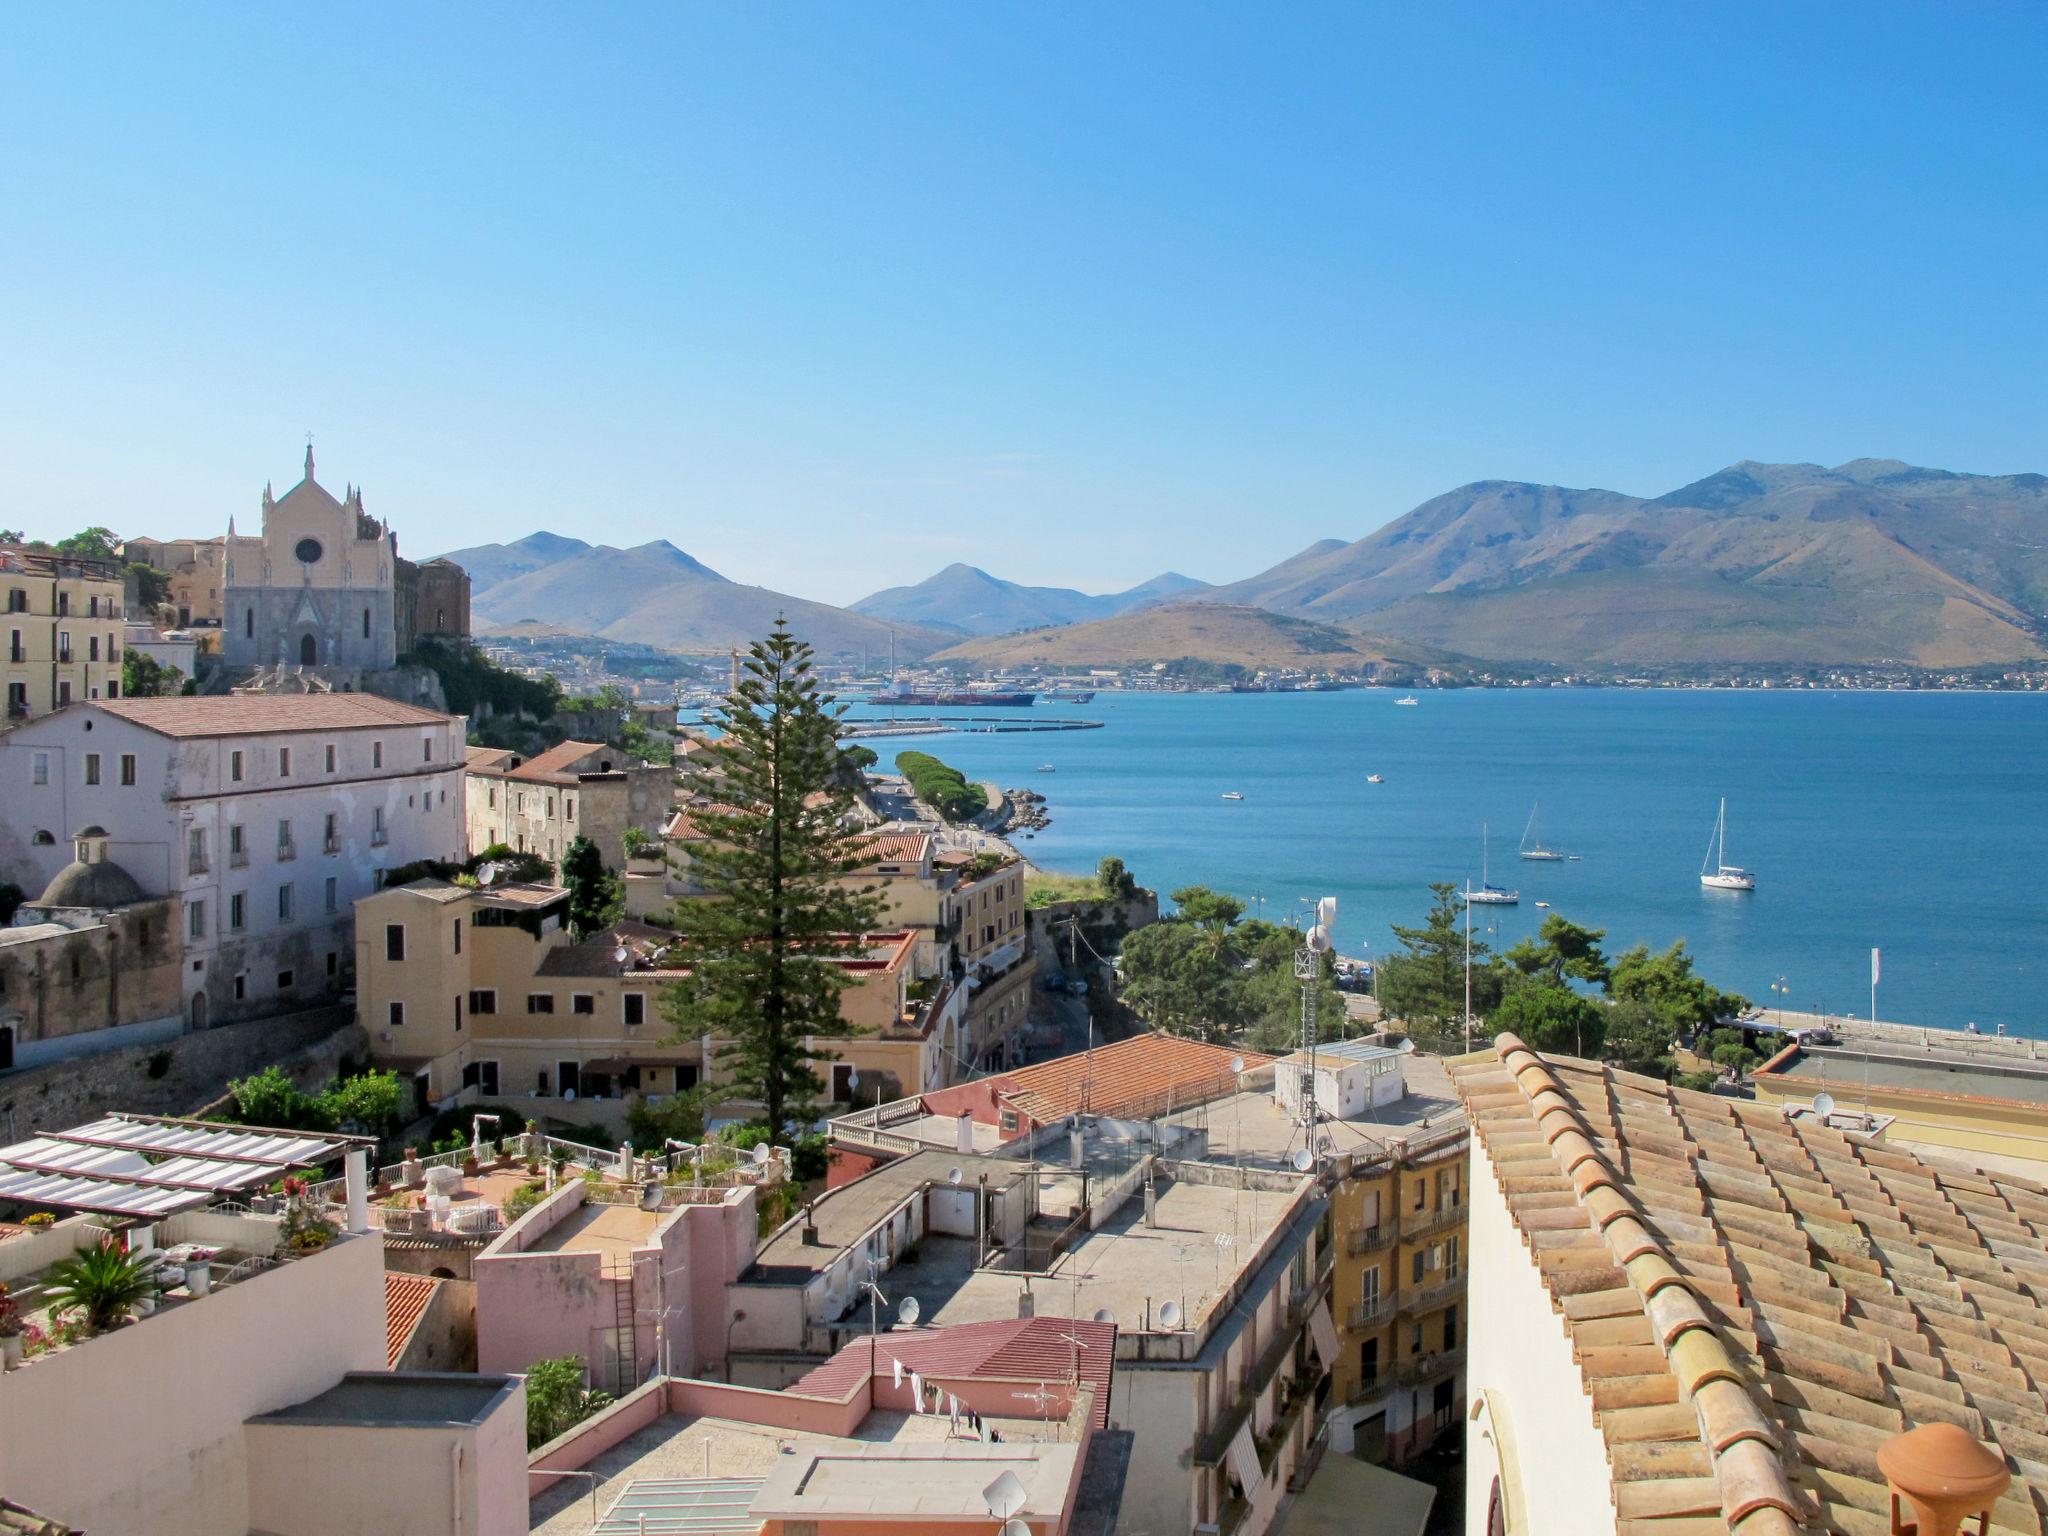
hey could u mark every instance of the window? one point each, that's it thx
(366, 623)
(330, 837)
(582, 1002)
(64, 691)
(458, 1012)
(1417, 1260)
(1370, 1288)
(1450, 1256)
(333, 963)
(237, 912)
(540, 1002)
(1450, 1328)
(195, 851)
(284, 762)
(569, 807)
(458, 935)
(426, 749)
(44, 838)
(17, 600)
(195, 919)
(285, 847)
(378, 836)
(235, 766)
(92, 648)
(39, 771)
(490, 797)
(248, 623)
(394, 941)
(92, 767)
(483, 1000)
(635, 1007)
(63, 645)
(376, 754)
(285, 980)
(1415, 1340)
(1421, 1194)
(482, 1076)
(395, 1015)
(284, 903)
(330, 757)
(333, 894)
(238, 851)
(241, 985)
(551, 806)
(128, 768)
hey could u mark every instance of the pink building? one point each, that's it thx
(635, 1291)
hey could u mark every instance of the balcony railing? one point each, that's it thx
(1420, 1298)
(238, 858)
(196, 864)
(1365, 1314)
(1377, 1384)
(287, 850)
(1425, 1223)
(330, 845)
(1429, 1367)
(1371, 1239)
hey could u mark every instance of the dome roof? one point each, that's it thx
(91, 885)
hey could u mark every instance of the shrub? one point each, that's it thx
(942, 787)
(103, 1283)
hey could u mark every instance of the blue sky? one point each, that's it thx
(833, 295)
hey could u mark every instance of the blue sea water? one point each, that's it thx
(1914, 822)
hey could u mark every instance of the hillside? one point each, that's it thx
(968, 599)
(1217, 634)
(655, 594)
(1870, 561)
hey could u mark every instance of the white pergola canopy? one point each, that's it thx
(107, 1166)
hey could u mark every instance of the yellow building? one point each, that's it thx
(63, 630)
(1397, 1225)
(195, 567)
(483, 993)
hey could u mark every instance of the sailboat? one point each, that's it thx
(1716, 873)
(1532, 843)
(1488, 894)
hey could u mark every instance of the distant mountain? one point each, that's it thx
(968, 599)
(655, 594)
(1872, 561)
(1220, 634)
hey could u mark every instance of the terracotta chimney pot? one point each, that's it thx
(1945, 1476)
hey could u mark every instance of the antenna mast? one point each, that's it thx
(1308, 970)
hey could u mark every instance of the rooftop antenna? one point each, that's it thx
(1004, 1497)
(1308, 970)
(1824, 1105)
(487, 873)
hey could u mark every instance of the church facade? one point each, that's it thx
(316, 588)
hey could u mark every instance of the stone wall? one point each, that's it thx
(184, 1076)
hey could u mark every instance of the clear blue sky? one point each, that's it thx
(833, 295)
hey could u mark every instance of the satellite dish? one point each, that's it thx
(1236, 1064)
(1014, 1527)
(619, 954)
(1169, 1315)
(650, 1195)
(487, 872)
(952, 1175)
(1104, 1315)
(761, 1154)
(1823, 1104)
(1326, 915)
(1004, 1497)
(1302, 1159)
(853, 1078)
(908, 1312)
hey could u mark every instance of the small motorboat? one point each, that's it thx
(1541, 906)
(1411, 699)
(1231, 794)
(1047, 768)
(1374, 778)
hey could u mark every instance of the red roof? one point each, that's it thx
(405, 1303)
(1011, 1349)
(896, 847)
(255, 714)
(1134, 1079)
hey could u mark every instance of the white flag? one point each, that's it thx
(1873, 967)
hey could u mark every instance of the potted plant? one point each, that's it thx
(470, 1166)
(41, 1221)
(533, 1146)
(12, 1326)
(412, 1171)
(103, 1283)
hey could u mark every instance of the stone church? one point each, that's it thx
(316, 588)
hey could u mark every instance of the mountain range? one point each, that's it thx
(1870, 562)
(968, 599)
(1218, 634)
(655, 594)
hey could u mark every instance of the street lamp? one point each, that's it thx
(1784, 990)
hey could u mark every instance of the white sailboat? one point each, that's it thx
(1488, 894)
(1716, 873)
(1532, 843)
(1410, 699)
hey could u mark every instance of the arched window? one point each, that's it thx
(43, 840)
(366, 623)
(248, 623)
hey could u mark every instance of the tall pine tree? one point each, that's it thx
(777, 908)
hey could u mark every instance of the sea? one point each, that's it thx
(1915, 824)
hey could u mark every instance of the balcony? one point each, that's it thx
(1421, 1298)
(1368, 1387)
(1371, 1239)
(1426, 1368)
(238, 858)
(1426, 1223)
(331, 844)
(1211, 1447)
(287, 851)
(197, 864)
(1368, 1314)
(379, 837)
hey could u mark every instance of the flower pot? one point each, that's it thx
(198, 1278)
(10, 1351)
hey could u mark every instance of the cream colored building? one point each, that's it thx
(63, 630)
(197, 569)
(484, 992)
(574, 789)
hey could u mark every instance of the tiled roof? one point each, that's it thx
(1145, 1075)
(1011, 1349)
(896, 847)
(254, 714)
(1758, 1304)
(405, 1303)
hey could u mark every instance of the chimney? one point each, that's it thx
(1151, 1201)
(963, 1134)
(1943, 1477)
(1026, 1306)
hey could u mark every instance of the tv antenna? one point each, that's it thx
(1308, 970)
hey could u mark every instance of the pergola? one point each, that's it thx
(148, 1166)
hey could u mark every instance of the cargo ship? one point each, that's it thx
(954, 698)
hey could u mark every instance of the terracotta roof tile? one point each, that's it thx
(254, 714)
(1145, 1075)
(1756, 1306)
(405, 1303)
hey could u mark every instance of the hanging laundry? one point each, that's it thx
(899, 1371)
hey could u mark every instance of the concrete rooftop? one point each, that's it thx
(611, 1230)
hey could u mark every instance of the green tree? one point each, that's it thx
(152, 586)
(93, 543)
(1114, 879)
(1553, 1019)
(1424, 986)
(594, 900)
(144, 677)
(557, 1399)
(1179, 979)
(1562, 951)
(1665, 982)
(858, 757)
(270, 1098)
(1638, 1039)
(373, 1102)
(761, 947)
(1210, 910)
(678, 1117)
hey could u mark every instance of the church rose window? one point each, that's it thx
(308, 551)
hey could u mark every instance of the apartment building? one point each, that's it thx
(485, 991)
(267, 817)
(63, 630)
(574, 789)
(197, 569)
(982, 918)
